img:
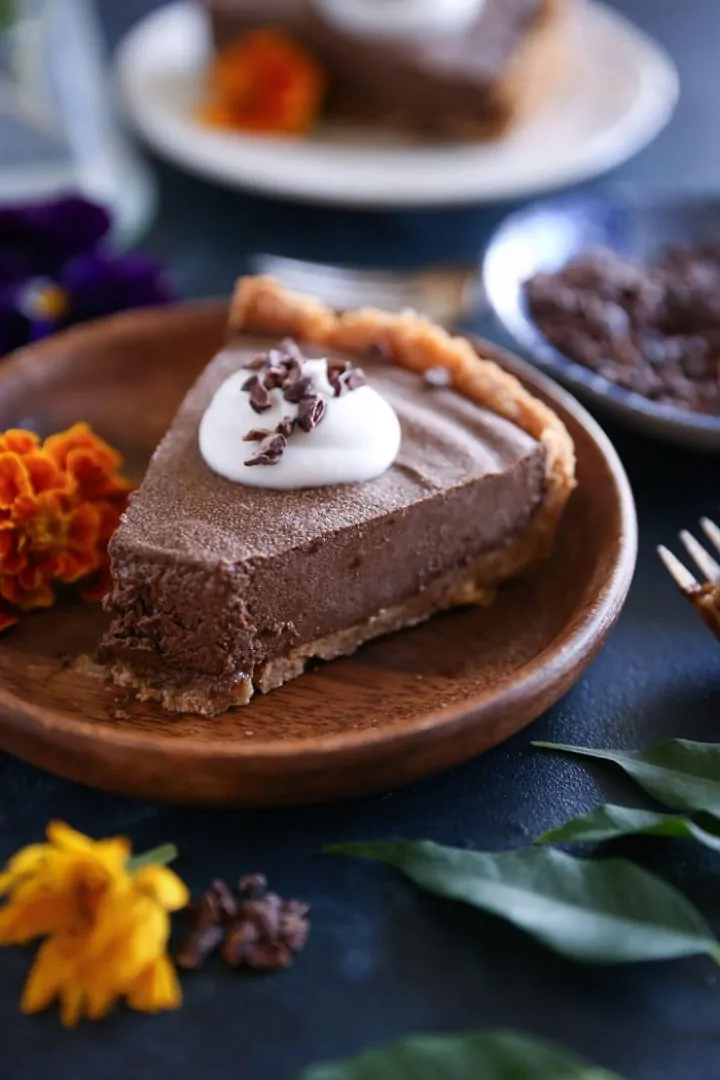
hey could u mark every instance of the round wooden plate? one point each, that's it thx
(403, 707)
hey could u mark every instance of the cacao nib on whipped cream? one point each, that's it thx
(309, 423)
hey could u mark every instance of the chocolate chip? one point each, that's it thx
(294, 927)
(237, 941)
(266, 932)
(193, 953)
(259, 398)
(209, 918)
(258, 362)
(352, 380)
(695, 358)
(436, 378)
(286, 426)
(269, 451)
(335, 372)
(263, 913)
(292, 351)
(253, 884)
(256, 435)
(274, 378)
(261, 932)
(310, 413)
(653, 327)
(296, 389)
(266, 956)
(215, 905)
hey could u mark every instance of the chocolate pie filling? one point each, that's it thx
(434, 85)
(213, 580)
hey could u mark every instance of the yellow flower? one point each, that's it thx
(106, 925)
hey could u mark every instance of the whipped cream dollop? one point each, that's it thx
(298, 423)
(400, 18)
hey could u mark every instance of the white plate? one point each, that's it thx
(623, 92)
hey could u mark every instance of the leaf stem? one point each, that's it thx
(159, 856)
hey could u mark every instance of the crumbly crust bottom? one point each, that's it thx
(459, 588)
(261, 305)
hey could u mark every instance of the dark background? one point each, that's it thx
(383, 960)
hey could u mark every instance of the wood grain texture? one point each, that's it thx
(403, 707)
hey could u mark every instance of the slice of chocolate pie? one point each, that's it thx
(301, 504)
(459, 81)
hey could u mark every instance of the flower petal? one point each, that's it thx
(44, 473)
(156, 989)
(111, 854)
(81, 437)
(58, 228)
(14, 479)
(99, 284)
(72, 1000)
(19, 441)
(38, 599)
(28, 860)
(14, 325)
(83, 528)
(38, 908)
(164, 886)
(64, 837)
(110, 514)
(74, 565)
(130, 931)
(52, 967)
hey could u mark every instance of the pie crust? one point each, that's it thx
(264, 307)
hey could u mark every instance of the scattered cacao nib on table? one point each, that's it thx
(252, 928)
(653, 328)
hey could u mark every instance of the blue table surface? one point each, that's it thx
(383, 960)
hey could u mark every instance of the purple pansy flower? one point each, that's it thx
(54, 271)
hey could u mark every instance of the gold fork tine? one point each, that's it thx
(704, 596)
(677, 571)
(712, 532)
(703, 559)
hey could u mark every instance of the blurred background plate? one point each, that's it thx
(545, 236)
(621, 95)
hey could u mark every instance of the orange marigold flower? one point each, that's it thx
(105, 920)
(60, 502)
(18, 440)
(264, 82)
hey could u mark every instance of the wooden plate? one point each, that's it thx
(401, 708)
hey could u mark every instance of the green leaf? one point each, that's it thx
(6, 13)
(612, 822)
(490, 1055)
(679, 773)
(159, 856)
(597, 911)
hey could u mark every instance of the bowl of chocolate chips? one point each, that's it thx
(619, 298)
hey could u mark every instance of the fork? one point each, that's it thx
(704, 596)
(445, 293)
